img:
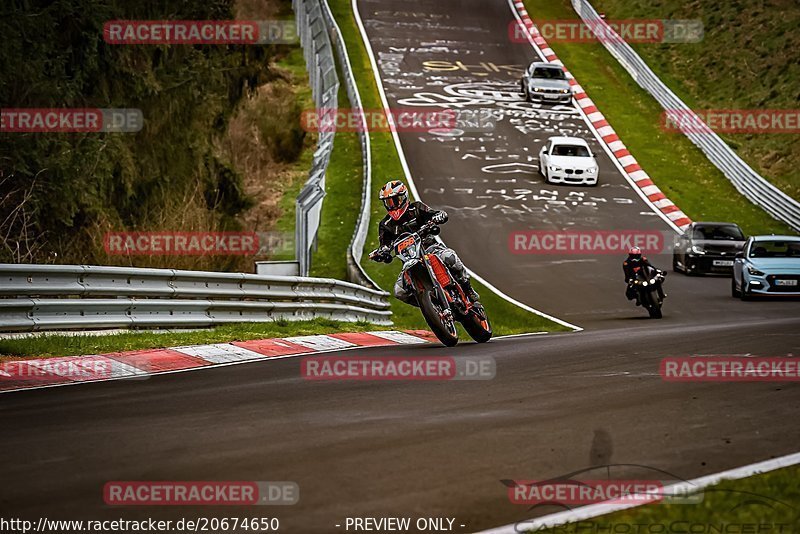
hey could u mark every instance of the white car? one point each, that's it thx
(568, 160)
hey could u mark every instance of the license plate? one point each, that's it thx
(785, 282)
(723, 263)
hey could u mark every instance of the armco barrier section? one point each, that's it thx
(747, 181)
(52, 297)
(355, 272)
(314, 38)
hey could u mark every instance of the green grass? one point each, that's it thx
(771, 500)
(295, 64)
(65, 345)
(755, 66)
(506, 318)
(343, 183)
(679, 168)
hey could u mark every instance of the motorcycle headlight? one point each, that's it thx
(644, 283)
(652, 280)
(755, 272)
(698, 250)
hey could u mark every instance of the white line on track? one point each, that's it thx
(594, 510)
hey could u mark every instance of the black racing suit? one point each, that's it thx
(417, 215)
(629, 267)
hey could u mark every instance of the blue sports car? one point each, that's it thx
(768, 265)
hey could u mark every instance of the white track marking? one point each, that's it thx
(594, 510)
(219, 353)
(321, 342)
(398, 337)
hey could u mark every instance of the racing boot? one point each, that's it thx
(467, 287)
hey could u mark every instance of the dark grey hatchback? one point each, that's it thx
(707, 247)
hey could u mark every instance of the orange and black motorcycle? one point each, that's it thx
(438, 293)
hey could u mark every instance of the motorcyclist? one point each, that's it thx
(407, 217)
(633, 263)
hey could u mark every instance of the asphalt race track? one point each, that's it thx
(559, 403)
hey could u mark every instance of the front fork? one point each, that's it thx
(424, 268)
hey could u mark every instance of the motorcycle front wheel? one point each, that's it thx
(478, 326)
(444, 330)
(654, 306)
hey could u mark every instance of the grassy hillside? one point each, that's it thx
(749, 58)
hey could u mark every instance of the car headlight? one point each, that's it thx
(698, 250)
(555, 169)
(755, 272)
(565, 91)
(591, 170)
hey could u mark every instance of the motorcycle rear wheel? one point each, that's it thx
(446, 333)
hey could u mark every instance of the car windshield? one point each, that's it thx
(720, 232)
(775, 249)
(571, 150)
(548, 73)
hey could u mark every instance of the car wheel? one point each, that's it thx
(735, 293)
(744, 294)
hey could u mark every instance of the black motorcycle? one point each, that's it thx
(647, 284)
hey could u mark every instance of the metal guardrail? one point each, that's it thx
(51, 297)
(747, 181)
(355, 272)
(314, 38)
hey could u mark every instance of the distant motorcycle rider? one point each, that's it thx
(404, 216)
(630, 266)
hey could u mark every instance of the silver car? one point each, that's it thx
(546, 82)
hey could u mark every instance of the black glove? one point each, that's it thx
(439, 218)
(382, 254)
